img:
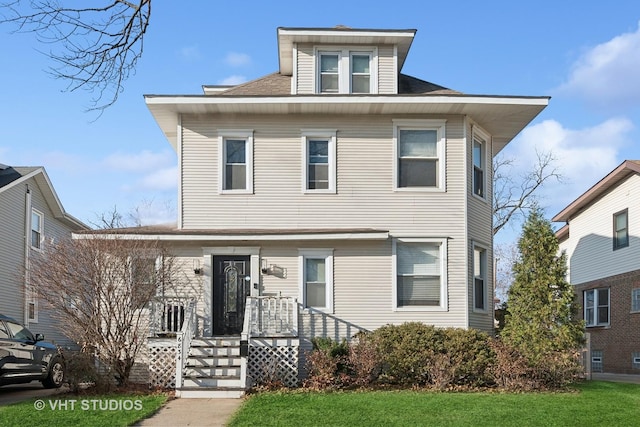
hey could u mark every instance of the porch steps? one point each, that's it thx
(213, 369)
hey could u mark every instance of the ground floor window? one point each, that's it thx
(316, 278)
(420, 273)
(596, 361)
(596, 307)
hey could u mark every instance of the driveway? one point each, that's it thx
(33, 390)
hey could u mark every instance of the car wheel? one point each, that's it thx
(55, 377)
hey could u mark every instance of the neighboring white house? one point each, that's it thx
(602, 241)
(31, 217)
(337, 193)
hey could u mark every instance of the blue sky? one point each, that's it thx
(585, 55)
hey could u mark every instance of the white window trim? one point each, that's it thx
(32, 299)
(418, 124)
(327, 254)
(596, 318)
(344, 67)
(485, 278)
(41, 231)
(329, 134)
(247, 135)
(443, 274)
(484, 139)
(633, 298)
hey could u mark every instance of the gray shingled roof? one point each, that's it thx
(276, 84)
(8, 174)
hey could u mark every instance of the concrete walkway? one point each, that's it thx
(621, 378)
(194, 412)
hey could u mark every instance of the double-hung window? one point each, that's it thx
(316, 278)
(236, 161)
(420, 149)
(479, 162)
(37, 220)
(319, 160)
(420, 266)
(596, 307)
(346, 71)
(621, 229)
(480, 296)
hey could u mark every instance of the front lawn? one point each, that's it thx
(595, 403)
(69, 409)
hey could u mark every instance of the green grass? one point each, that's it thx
(595, 403)
(68, 410)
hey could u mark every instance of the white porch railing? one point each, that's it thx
(168, 315)
(270, 316)
(183, 340)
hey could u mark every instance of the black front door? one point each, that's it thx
(230, 290)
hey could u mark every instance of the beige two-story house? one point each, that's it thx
(332, 196)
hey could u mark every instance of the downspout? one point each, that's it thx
(27, 253)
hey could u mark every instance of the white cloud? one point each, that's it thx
(583, 156)
(233, 80)
(140, 162)
(235, 59)
(162, 179)
(607, 74)
(190, 53)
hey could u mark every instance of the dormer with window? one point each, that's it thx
(340, 61)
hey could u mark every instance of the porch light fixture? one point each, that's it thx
(273, 270)
(196, 267)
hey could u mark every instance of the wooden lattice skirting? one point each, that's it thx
(162, 366)
(273, 360)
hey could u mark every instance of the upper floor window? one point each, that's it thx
(621, 229)
(478, 166)
(236, 161)
(420, 154)
(479, 279)
(37, 220)
(316, 284)
(319, 151)
(596, 307)
(420, 273)
(346, 71)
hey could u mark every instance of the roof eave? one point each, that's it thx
(622, 172)
(502, 116)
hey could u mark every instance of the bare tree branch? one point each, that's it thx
(515, 196)
(99, 47)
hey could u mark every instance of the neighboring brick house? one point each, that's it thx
(602, 241)
(31, 217)
(334, 195)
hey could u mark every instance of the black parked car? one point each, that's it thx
(24, 357)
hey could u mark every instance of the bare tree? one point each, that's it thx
(514, 196)
(114, 219)
(100, 44)
(100, 289)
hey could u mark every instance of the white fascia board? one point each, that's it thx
(377, 235)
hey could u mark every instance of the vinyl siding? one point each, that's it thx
(387, 72)
(306, 71)
(590, 246)
(480, 219)
(365, 195)
(12, 225)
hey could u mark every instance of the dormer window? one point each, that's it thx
(346, 71)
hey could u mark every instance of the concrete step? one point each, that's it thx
(200, 372)
(210, 393)
(212, 382)
(214, 362)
